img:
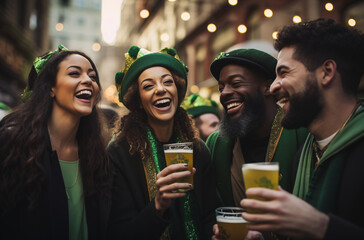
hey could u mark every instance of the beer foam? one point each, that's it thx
(264, 167)
(178, 151)
(230, 219)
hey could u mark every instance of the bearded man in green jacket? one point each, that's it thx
(250, 130)
(320, 64)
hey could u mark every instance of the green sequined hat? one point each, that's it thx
(251, 58)
(195, 105)
(138, 59)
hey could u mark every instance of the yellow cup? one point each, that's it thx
(261, 174)
(232, 226)
(180, 153)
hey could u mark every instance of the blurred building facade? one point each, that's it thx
(76, 24)
(23, 35)
(186, 25)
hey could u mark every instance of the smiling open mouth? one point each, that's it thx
(283, 101)
(162, 103)
(233, 105)
(84, 94)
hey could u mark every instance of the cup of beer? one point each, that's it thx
(180, 153)
(232, 226)
(261, 174)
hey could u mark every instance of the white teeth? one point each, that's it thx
(162, 101)
(232, 105)
(282, 101)
(84, 92)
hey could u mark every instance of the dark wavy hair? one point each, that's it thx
(320, 40)
(24, 134)
(132, 127)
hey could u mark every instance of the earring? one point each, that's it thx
(52, 94)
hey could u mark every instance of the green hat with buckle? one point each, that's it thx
(251, 58)
(138, 59)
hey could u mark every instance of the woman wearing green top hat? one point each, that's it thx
(54, 171)
(152, 86)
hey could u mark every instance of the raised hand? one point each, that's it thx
(169, 187)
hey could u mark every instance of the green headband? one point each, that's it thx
(195, 105)
(138, 59)
(38, 64)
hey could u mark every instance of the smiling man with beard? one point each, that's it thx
(250, 130)
(320, 65)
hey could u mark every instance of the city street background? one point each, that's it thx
(104, 29)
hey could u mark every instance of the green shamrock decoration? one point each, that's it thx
(264, 182)
(223, 234)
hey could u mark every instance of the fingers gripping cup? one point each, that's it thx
(261, 174)
(180, 153)
(232, 226)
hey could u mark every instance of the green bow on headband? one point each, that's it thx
(39, 62)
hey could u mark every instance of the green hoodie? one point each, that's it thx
(319, 186)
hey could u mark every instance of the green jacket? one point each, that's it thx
(282, 148)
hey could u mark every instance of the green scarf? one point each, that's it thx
(353, 130)
(184, 206)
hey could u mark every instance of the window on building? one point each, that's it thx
(253, 23)
(96, 4)
(201, 54)
(80, 21)
(61, 18)
(80, 3)
(64, 3)
(224, 38)
(33, 20)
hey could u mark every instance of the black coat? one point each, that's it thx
(134, 215)
(49, 219)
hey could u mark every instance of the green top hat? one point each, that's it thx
(251, 58)
(138, 59)
(195, 105)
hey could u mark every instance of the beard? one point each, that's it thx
(304, 107)
(251, 118)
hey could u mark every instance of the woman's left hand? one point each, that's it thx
(169, 187)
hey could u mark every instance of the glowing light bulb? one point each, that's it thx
(185, 16)
(164, 37)
(233, 2)
(275, 35)
(194, 89)
(268, 13)
(144, 13)
(211, 27)
(351, 22)
(242, 28)
(296, 19)
(329, 7)
(59, 27)
(96, 47)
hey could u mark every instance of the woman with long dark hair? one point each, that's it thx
(152, 86)
(54, 170)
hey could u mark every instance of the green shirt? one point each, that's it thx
(76, 206)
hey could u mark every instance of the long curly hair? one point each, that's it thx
(132, 127)
(24, 134)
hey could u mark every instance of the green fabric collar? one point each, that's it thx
(353, 130)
